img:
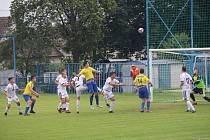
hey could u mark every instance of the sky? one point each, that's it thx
(4, 8)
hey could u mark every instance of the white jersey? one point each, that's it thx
(108, 86)
(11, 90)
(79, 81)
(62, 81)
(186, 79)
(58, 78)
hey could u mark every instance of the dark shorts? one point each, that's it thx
(143, 92)
(198, 90)
(92, 87)
(27, 97)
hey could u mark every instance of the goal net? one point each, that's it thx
(165, 68)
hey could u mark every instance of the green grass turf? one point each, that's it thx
(168, 121)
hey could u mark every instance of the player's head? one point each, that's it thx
(113, 74)
(11, 80)
(184, 69)
(133, 67)
(196, 70)
(64, 75)
(63, 71)
(86, 64)
(142, 71)
(33, 78)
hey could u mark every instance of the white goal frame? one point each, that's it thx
(174, 51)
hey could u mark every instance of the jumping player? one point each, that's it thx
(88, 71)
(62, 93)
(28, 93)
(107, 90)
(78, 83)
(141, 81)
(186, 84)
(199, 87)
(10, 93)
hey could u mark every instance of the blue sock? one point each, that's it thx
(142, 106)
(27, 109)
(97, 99)
(91, 99)
(148, 105)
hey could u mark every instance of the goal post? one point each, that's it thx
(165, 68)
(9, 71)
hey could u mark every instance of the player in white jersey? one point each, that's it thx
(62, 93)
(107, 90)
(10, 93)
(62, 71)
(186, 85)
(80, 87)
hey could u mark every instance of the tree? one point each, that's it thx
(121, 28)
(32, 27)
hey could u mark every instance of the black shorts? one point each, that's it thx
(198, 90)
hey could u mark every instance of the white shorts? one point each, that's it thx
(186, 94)
(80, 89)
(63, 94)
(14, 99)
(108, 94)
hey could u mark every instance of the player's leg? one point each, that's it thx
(91, 91)
(17, 101)
(27, 98)
(112, 105)
(61, 102)
(67, 103)
(203, 93)
(192, 95)
(33, 99)
(142, 97)
(146, 96)
(8, 105)
(189, 104)
(78, 92)
(95, 88)
(106, 97)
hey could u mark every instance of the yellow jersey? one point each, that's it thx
(88, 73)
(141, 80)
(27, 90)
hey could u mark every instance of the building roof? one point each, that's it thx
(4, 24)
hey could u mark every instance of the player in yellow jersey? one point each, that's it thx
(88, 72)
(141, 81)
(29, 93)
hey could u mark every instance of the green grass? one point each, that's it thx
(168, 121)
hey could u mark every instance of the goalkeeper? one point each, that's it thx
(199, 87)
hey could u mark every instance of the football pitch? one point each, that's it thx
(168, 121)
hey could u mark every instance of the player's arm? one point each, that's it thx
(34, 92)
(56, 82)
(5, 93)
(182, 83)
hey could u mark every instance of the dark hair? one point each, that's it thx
(184, 69)
(33, 76)
(85, 63)
(10, 78)
(141, 71)
(195, 68)
(113, 72)
(62, 70)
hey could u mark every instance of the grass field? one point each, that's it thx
(168, 121)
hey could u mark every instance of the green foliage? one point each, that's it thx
(182, 38)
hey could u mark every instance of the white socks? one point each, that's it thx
(111, 108)
(190, 106)
(78, 104)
